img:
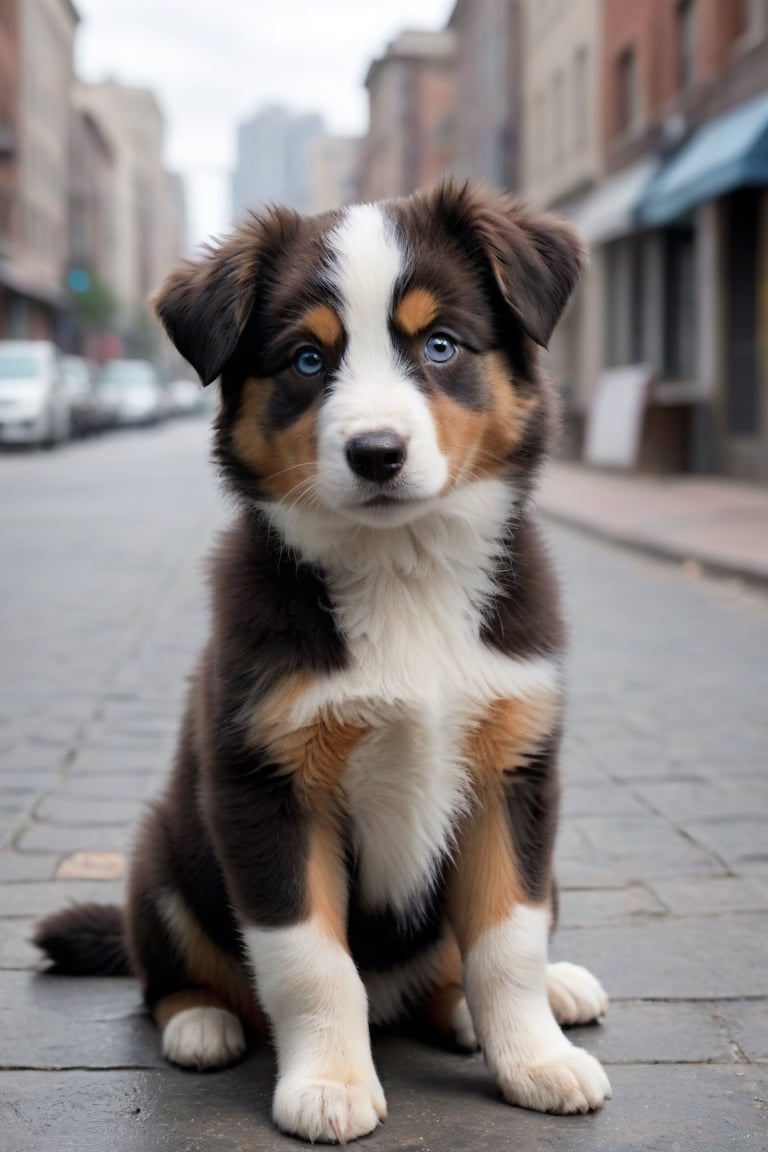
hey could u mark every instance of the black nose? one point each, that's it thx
(376, 456)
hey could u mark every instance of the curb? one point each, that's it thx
(661, 550)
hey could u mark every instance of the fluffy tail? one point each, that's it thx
(85, 940)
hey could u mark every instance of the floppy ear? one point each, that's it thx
(536, 258)
(204, 305)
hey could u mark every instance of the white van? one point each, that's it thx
(33, 404)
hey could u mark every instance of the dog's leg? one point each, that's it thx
(446, 1005)
(198, 1029)
(499, 908)
(327, 1087)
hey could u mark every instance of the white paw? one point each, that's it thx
(204, 1037)
(330, 1111)
(463, 1028)
(575, 995)
(572, 1081)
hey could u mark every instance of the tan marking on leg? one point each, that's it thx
(324, 325)
(447, 991)
(484, 886)
(285, 460)
(170, 1006)
(416, 311)
(327, 892)
(207, 964)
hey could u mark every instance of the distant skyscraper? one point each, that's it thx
(274, 160)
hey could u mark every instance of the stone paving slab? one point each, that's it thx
(678, 959)
(747, 1023)
(663, 870)
(94, 1023)
(16, 951)
(603, 850)
(437, 1103)
(39, 899)
(713, 896)
(595, 907)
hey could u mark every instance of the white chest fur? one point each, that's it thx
(410, 603)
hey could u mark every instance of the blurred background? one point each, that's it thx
(129, 132)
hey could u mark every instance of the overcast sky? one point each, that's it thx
(212, 62)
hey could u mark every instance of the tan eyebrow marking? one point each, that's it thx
(416, 311)
(324, 325)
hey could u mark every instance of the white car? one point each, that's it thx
(130, 394)
(34, 408)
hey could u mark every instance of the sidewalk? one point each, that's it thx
(720, 524)
(662, 854)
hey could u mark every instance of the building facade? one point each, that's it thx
(334, 171)
(274, 149)
(411, 138)
(37, 43)
(685, 84)
(561, 165)
(488, 90)
(148, 215)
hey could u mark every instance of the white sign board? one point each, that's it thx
(616, 416)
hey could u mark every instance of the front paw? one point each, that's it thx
(572, 1081)
(329, 1111)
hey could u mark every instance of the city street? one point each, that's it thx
(663, 850)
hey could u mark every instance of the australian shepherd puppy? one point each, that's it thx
(361, 817)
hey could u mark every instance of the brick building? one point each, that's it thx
(687, 84)
(412, 101)
(36, 51)
(488, 90)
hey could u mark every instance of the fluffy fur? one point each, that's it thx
(360, 821)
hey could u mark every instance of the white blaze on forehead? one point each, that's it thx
(374, 388)
(368, 263)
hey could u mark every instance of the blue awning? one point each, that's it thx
(728, 153)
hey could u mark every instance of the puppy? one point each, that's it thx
(361, 816)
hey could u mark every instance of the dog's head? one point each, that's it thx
(374, 359)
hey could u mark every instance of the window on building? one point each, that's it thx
(628, 92)
(680, 304)
(686, 44)
(757, 19)
(580, 100)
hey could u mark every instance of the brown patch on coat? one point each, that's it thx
(327, 891)
(315, 753)
(489, 879)
(508, 733)
(170, 1006)
(416, 311)
(215, 971)
(479, 443)
(485, 885)
(284, 460)
(324, 325)
(447, 991)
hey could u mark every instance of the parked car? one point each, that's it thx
(186, 398)
(80, 388)
(129, 393)
(33, 402)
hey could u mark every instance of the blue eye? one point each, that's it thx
(440, 348)
(308, 362)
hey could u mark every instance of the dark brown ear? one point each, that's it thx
(536, 258)
(204, 304)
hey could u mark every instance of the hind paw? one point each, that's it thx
(203, 1037)
(575, 995)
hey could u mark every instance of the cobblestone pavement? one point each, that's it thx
(663, 854)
